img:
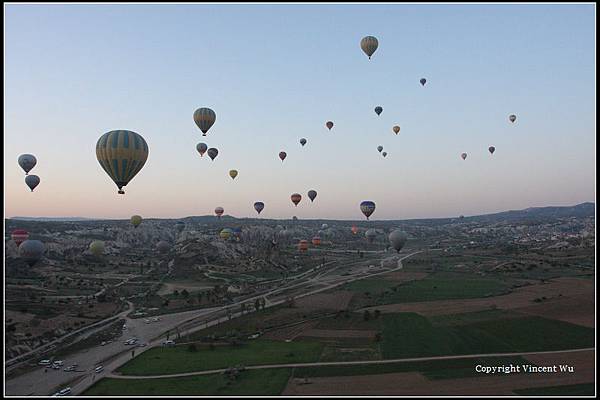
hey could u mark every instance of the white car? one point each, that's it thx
(147, 321)
(63, 392)
(103, 344)
(124, 327)
(70, 369)
(44, 362)
(99, 369)
(169, 343)
(60, 363)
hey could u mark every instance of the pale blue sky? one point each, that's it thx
(276, 73)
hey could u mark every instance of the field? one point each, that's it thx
(164, 361)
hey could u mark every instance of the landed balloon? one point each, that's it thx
(423, 81)
(219, 211)
(329, 125)
(259, 206)
(204, 118)
(225, 233)
(369, 44)
(163, 247)
(302, 142)
(282, 155)
(233, 173)
(312, 195)
(463, 156)
(492, 149)
(32, 181)
(379, 148)
(31, 251)
(97, 248)
(378, 110)
(122, 154)
(367, 207)
(316, 241)
(354, 229)
(324, 226)
(27, 162)
(296, 197)
(303, 245)
(136, 220)
(384, 154)
(201, 147)
(512, 118)
(371, 234)
(396, 129)
(19, 236)
(397, 239)
(212, 153)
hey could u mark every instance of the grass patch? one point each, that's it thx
(582, 389)
(267, 382)
(371, 285)
(159, 361)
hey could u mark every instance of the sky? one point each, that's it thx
(276, 73)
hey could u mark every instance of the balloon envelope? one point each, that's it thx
(19, 236)
(423, 81)
(97, 247)
(122, 154)
(463, 156)
(296, 198)
(32, 181)
(226, 233)
(379, 148)
(136, 220)
(204, 118)
(163, 247)
(31, 251)
(233, 173)
(329, 125)
(201, 147)
(384, 154)
(378, 110)
(316, 240)
(396, 129)
(219, 211)
(369, 44)
(258, 206)
(354, 229)
(27, 162)
(512, 118)
(302, 141)
(367, 207)
(492, 149)
(282, 155)
(370, 235)
(212, 153)
(312, 194)
(397, 239)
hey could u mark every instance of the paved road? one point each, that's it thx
(338, 363)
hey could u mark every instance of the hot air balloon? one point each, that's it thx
(136, 220)
(384, 154)
(303, 245)
(378, 110)
(219, 211)
(212, 153)
(367, 207)
(316, 241)
(379, 148)
(492, 149)
(225, 233)
(180, 226)
(237, 232)
(204, 118)
(258, 206)
(19, 236)
(369, 44)
(423, 81)
(396, 129)
(397, 239)
(31, 251)
(329, 125)
(371, 234)
(27, 162)
(296, 198)
(354, 229)
(97, 248)
(122, 154)
(464, 156)
(163, 247)
(233, 173)
(282, 155)
(302, 142)
(512, 118)
(324, 226)
(201, 147)
(312, 194)
(32, 181)
(294, 218)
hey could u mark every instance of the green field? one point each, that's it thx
(371, 285)
(267, 382)
(164, 361)
(583, 389)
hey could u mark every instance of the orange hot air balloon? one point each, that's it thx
(296, 198)
(303, 245)
(354, 229)
(316, 241)
(329, 125)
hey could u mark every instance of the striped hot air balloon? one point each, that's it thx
(19, 236)
(204, 118)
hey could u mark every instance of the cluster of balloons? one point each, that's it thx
(27, 162)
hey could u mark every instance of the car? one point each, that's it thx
(155, 319)
(63, 392)
(60, 363)
(169, 343)
(124, 327)
(55, 366)
(70, 369)
(44, 362)
(103, 344)
(147, 321)
(99, 369)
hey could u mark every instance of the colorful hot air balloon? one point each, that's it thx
(122, 154)
(32, 181)
(258, 206)
(397, 239)
(19, 236)
(212, 153)
(354, 229)
(233, 173)
(367, 207)
(296, 198)
(329, 125)
(31, 251)
(204, 118)
(379, 148)
(464, 156)
(97, 248)
(225, 233)
(316, 241)
(378, 110)
(219, 211)
(384, 154)
(371, 234)
(512, 118)
(369, 44)
(136, 220)
(201, 147)
(492, 149)
(423, 81)
(312, 194)
(282, 155)
(163, 247)
(303, 245)
(302, 142)
(27, 162)
(396, 129)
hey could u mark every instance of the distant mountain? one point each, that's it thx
(57, 219)
(579, 210)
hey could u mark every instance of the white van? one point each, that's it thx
(99, 369)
